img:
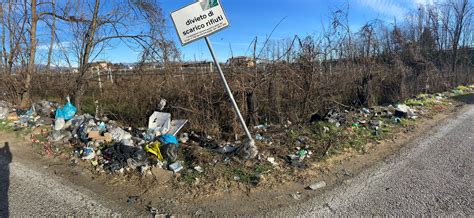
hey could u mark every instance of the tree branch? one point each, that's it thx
(65, 18)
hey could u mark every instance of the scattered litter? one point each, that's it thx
(226, 149)
(295, 161)
(175, 167)
(56, 136)
(176, 126)
(272, 161)
(198, 169)
(326, 129)
(88, 153)
(120, 156)
(67, 112)
(397, 120)
(169, 139)
(120, 135)
(184, 138)
(261, 126)
(403, 111)
(317, 185)
(96, 136)
(296, 196)
(154, 148)
(248, 150)
(117, 149)
(170, 152)
(160, 122)
(365, 110)
(59, 124)
(94, 163)
(5, 108)
(302, 153)
(162, 104)
(13, 116)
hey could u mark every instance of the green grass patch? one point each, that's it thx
(463, 88)
(5, 126)
(423, 100)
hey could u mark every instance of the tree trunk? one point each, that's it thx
(250, 108)
(84, 61)
(53, 34)
(4, 52)
(26, 97)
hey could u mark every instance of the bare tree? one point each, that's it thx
(53, 35)
(462, 10)
(13, 23)
(124, 21)
(26, 95)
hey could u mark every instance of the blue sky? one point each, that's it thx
(258, 17)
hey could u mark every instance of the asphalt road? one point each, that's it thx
(432, 175)
(27, 191)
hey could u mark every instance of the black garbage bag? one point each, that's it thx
(204, 142)
(170, 152)
(119, 156)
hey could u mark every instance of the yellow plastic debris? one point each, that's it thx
(94, 163)
(154, 148)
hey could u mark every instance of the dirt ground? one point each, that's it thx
(140, 194)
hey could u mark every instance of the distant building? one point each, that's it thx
(151, 65)
(101, 65)
(241, 61)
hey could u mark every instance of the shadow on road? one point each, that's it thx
(5, 160)
(466, 98)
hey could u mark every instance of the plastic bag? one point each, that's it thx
(154, 148)
(169, 139)
(59, 124)
(69, 110)
(59, 114)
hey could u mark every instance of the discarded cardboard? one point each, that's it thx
(160, 122)
(96, 136)
(176, 126)
(13, 117)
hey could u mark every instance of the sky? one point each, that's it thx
(257, 18)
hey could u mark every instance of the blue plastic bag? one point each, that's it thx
(169, 139)
(69, 111)
(59, 113)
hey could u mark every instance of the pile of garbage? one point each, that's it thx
(26, 118)
(371, 118)
(101, 141)
(115, 149)
(108, 146)
(375, 120)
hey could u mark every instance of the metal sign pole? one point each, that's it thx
(227, 88)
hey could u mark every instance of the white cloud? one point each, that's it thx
(395, 8)
(423, 2)
(386, 7)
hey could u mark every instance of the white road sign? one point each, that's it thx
(199, 20)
